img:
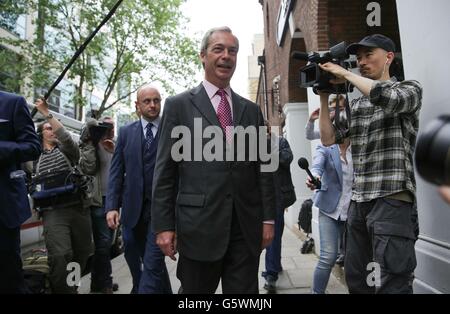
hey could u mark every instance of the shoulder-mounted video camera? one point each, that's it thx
(95, 130)
(313, 76)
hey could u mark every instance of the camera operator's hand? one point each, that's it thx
(336, 70)
(445, 193)
(42, 106)
(364, 84)
(108, 145)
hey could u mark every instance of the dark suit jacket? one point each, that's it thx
(18, 143)
(282, 177)
(196, 198)
(126, 178)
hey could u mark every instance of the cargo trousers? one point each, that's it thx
(68, 238)
(379, 246)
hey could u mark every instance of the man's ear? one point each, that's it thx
(202, 56)
(390, 57)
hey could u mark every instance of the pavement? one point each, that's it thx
(296, 277)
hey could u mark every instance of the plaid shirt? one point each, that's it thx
(383, 134)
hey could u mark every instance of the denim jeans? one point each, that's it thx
(273, 251)
(330, 233)
(101, 262)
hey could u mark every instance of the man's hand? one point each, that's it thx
(336, 70)
(268, 235)
(108, 145)
(112, 218)
(166, 241)
(310, 184)
(42, 106)
(314, 115)
(445, 193)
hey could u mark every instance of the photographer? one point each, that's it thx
(67, 224)
(97, 148)
(383, 130)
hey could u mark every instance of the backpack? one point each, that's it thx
(305, 216)
(35, 273)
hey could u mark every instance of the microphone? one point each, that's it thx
(300, 55)
(303, 163)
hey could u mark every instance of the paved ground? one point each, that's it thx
(295, 279)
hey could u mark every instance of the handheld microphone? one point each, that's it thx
(303, 163)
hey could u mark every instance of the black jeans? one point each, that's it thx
(101, 263)
(380, 255)
(11, 275)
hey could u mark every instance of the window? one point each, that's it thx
(14, 23)
(276, 103)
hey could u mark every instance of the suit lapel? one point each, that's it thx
(337, 162)
(202, 102)
(136, 144)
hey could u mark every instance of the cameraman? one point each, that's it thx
(67, 227)
(96, 155)
(381, 224)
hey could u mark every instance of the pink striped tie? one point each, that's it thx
(224, 114)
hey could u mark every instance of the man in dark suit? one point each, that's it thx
(130, 188)
(18, 143)
(284, 197)
(218, 213)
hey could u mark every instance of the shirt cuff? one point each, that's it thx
(269, 222)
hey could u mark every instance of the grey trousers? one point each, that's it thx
(379, 247)
(68, 238)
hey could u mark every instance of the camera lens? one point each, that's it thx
(433, 152)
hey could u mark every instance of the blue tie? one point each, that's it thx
(148, 136)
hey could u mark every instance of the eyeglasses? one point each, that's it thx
(148, 101)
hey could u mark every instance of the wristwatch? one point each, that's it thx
(49, 116)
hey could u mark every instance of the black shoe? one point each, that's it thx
(106, 290)
(340, 260)
(270, 285)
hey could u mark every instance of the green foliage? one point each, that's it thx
(143, 42)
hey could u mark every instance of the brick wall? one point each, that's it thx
(323, 24)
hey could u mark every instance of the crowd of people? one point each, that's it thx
(217, 216)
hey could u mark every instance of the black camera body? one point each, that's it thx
(97, 132)
(432, 155)
(313, 76)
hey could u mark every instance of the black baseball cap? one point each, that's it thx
(374, 41)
